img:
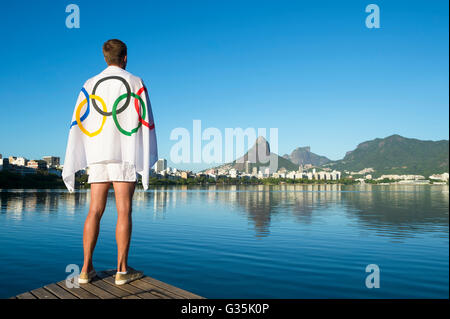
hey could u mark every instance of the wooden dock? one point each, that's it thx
(103, 287)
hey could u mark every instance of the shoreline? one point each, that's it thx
(194, 186)
(49, 181)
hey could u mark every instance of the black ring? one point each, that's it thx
(123, 107)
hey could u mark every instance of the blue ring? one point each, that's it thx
(83, 117)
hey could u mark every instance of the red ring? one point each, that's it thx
(138, 110)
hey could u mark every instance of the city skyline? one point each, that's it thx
(319, 76)
(180, 166)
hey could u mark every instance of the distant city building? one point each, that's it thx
(335, 175)
(19, 161)
(184, 175)
(440, 177)
(401, 177)
(298, 175)
(290, 175)
(247, 167)
(4, 164)
(52, 161)
(211, 171)
(161, 165)
(37, 164)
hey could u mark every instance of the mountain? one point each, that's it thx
(303, 155)
(396, 154)
(259, 156)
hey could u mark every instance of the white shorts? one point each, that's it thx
(111, 172)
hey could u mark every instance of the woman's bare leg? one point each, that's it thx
(124, 195)
(99, 194)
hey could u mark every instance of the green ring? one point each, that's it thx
(114, 115)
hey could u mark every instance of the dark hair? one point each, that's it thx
(114, 51)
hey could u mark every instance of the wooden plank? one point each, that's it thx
(104, 287)
(147, 295)
(183, 293)
(127, 287)
(151, 288)
(110, 288)
(142, 289)
(26, 295)
(42, 293)
(131, 297)
(161, 295)
(99, 292)
(59, 292)
(79, 292)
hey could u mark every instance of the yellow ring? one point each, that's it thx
(77, 115)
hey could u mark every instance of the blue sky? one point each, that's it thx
(310, 68)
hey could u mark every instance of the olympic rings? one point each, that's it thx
(136, 106)
(77, 115)
(87, 109)
(114, 113)
(127, 86)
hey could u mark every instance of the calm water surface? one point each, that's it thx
(243, 242)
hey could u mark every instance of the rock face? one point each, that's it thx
(303, 155)
(259, 155)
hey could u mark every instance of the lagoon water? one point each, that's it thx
(302, 241)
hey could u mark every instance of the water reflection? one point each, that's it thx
(400, 210)
(395, 209)
(18, 202)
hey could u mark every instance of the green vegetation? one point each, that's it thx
(397, 155)
(384, 180)
(39, 180)
(10, 180)
(203, 180)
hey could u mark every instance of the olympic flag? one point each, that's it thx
(118, 131)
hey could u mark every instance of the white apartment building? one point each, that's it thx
(161, 165)
(19, 161)
(441, 177)
(291, 175)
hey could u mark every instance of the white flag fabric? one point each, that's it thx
(112, 122)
